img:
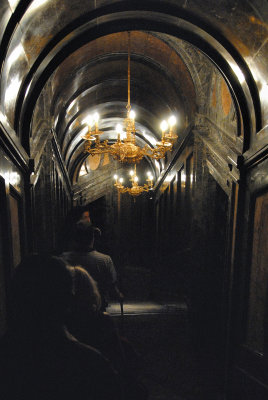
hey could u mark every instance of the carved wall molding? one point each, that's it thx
(221, 160)
(38, 157)
(259, 148)
(11, 145)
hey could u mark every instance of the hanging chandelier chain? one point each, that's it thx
(126, 150)
(128, 74)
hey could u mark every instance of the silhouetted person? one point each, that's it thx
(90, 325)
(77, 214)
(39, 359)
(100, 266)
(84, 216)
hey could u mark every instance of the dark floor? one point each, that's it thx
(173, 368)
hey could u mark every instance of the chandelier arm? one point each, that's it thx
(100, 148)
(121, 189)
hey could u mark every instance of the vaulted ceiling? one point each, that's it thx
(62, 60)
(94, 78)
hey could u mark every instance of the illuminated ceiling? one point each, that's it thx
(62, 60)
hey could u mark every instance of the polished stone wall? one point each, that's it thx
(13, 238)
(51, 200)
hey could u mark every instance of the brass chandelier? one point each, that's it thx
(135, 190)
(126, 150)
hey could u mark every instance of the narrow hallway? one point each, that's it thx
(149, 120)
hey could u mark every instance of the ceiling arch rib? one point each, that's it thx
(145, 48)
(152, 90)
(170, 25)
(149, 119)
(64, 25)
(112, 92)
(60, 48)
(113, 74)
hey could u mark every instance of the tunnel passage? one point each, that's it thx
(196, 238)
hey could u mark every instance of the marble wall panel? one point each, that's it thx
(259, 70)
(259, 276)
(10, 245)
(13, 72)
(5, 14)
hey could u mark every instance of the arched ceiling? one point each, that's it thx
(62, 60)
(94, 77)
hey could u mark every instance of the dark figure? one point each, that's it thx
(77, 214)
(39, 359)
(85, 217)
(100, 266)
(92, 326)
(80, 213)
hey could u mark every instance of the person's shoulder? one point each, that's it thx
(100, 255)
(72, 257)
(66, 255)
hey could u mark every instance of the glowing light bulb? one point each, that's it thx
(163, 125)
(172, 121)
(131, 172)
(115, 177)
(121, 180)
(132, 114)
(96, 117)
(119, 128)
(88, 120)
(136, 179)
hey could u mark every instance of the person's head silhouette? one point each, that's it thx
(84, 234)
(41, 290)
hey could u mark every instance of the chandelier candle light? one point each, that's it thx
(125, 150)
(93, 135)
(135, 190)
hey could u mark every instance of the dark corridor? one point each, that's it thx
(152, 115)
